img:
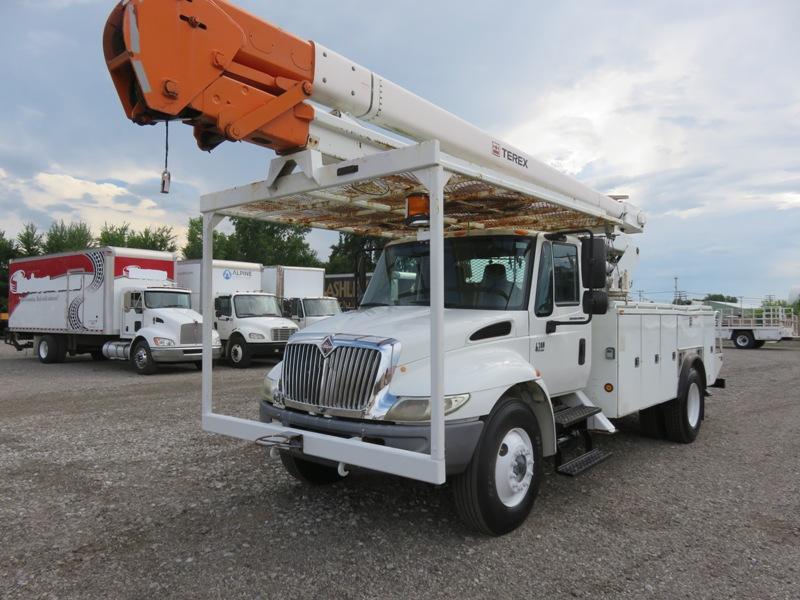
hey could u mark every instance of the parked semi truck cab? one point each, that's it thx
(249, 321)
(307, 311)
(251, 325)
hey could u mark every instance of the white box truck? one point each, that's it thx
(250, 323)
(302, 292)
(117, 303)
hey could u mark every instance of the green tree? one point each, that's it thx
(30, 240)
(353, 252)
(160, 238)
(63, 237)
(720, 298)
(114, 235)
(8, 250)
(272, 244)
(223, 244)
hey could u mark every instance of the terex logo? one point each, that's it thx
(498, 150)
(516, 158)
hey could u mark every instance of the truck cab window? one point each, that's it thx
(565, 263)
(543, 304)
(223, 305)
(134, 302)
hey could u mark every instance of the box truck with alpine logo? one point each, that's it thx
(250, 323)
(112, 303)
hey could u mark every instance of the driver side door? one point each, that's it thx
(561, 356)
(223, 316)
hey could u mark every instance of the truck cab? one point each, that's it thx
(251, 325)
(158, 325)
(307, 311)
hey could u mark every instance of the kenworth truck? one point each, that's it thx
(495, 330)
(112, 303)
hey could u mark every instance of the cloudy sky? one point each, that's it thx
(692, 108)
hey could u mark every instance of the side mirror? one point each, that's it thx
(218, 313)
(593, 271)
(595, 302)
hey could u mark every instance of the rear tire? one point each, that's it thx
(142, 359)
(744, 340)
(238, 353)
(51, 349)
(309, 472)
(684, 415)
(496, 492)
(651, 422)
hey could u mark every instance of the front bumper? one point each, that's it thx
(460, 438)
(266, 348)
(178, 354)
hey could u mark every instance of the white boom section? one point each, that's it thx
(347, 86)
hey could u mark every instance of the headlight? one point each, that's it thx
(419, 409)
(159, 341)
(268, 391)
(256, 336)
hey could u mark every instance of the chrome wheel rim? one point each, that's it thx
(236, 353)
(513, 471)
(140, 358)
(693, 405)
(742, 340)
(43, 349)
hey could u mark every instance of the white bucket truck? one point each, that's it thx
(250, 323)
(302, 292)
(117, 303)
(495, 330)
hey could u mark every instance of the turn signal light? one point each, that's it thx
(418, 210)
(608, 387)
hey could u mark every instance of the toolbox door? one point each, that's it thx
(629, 364)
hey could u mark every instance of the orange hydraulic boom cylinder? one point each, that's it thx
(213, 65)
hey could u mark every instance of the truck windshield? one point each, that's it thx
(480, 272)
(256, 306)
(321, 307)
(167, 300)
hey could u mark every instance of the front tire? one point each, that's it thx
(238, 353)
(496, 492)
(684, 415)
(309, 472)
(51, 349)
(744, 340)
(142, 359)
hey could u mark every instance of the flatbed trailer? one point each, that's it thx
(752, 327)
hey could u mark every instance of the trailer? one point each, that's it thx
(112, 303)
(250, 323)
(346, 288)
(301, 290)
(494, 331)
(751, 327)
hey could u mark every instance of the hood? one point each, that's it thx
(411, 326)
(176, 316)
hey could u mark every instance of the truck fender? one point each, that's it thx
(536, 396)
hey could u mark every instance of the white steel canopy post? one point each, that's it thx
(210, 221)
(435, 179)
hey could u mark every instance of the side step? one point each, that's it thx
(583, 462)
(570, 417)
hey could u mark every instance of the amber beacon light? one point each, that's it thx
(418, 211)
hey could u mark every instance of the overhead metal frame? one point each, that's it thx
(287, 197)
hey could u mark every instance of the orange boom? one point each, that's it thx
(214, 66)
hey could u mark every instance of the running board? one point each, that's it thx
(583, 462)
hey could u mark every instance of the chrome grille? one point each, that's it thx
(345, 380)
(191, 333)
(282, 334)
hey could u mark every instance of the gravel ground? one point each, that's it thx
(110, 489)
